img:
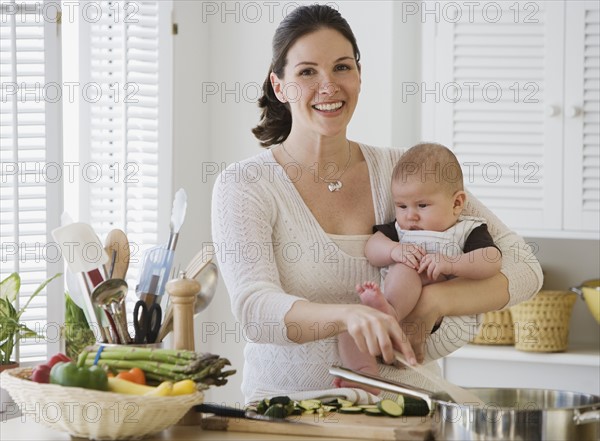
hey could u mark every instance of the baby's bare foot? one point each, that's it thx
(371, 295)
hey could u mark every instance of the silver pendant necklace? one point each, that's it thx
(332, 184)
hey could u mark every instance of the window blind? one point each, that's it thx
(30, 190)
(127, 57)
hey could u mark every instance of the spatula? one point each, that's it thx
(116, 241)
(457, 393)
(84, 254)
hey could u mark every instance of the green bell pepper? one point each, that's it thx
(73, 374)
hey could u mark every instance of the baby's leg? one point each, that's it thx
(353, 358)
(402, 289)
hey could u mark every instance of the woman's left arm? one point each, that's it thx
(520, 279)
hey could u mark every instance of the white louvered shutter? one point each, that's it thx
(499, 76)
(127, 55)
(582, 116)
(31, 174)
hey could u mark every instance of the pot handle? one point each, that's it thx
(577, 290)
(591, 416)
(380, 382)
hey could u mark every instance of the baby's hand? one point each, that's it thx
(407, 253)
(435, 265)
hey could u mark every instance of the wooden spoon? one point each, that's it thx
(117, 241)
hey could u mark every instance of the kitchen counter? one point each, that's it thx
(16, 430)
(334, 427)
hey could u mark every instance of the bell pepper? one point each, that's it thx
(73, 374)
(41, 373)
(56, 358)
(135, 375)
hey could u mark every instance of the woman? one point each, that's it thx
(294, 221)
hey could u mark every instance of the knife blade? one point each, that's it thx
(234, 412)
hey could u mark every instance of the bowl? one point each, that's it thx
(590, 292)
(95, 414)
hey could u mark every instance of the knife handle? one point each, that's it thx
(219, 410)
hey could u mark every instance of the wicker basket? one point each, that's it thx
(497, 329)
(94, 414)
(542, 324)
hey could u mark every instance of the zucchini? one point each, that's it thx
(345, 403)
(412, 406)
(390, 408)
(280, 400)
(373, 412)
(310, 404)
(368, 406)
(276, 411)
(350, 409)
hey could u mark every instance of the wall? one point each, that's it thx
(222, 54)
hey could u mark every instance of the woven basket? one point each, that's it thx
(542, 324)
(497, 329)
(94, 414)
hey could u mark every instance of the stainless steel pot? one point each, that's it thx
(509, 414)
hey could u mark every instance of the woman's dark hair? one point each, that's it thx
(276, 119)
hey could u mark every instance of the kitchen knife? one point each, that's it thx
(234, 412)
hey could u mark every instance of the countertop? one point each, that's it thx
(334, 427)
(17, 430)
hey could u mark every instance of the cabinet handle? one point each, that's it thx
(552, 111)
(573, 111)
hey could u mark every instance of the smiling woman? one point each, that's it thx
(300, 298)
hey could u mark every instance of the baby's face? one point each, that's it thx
(425, 205)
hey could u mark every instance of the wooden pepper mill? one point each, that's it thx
(183, 293)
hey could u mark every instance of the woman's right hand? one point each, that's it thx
(377, 333)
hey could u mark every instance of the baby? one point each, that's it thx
(428, 242)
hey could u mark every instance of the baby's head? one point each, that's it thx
(427, 187)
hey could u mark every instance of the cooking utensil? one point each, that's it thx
(109, 295)
(518, 414)
(208, 279)
(116, 241)
(233, 412)
(74, 286)
(157, 263)
(146, 322)
(83, 253)
(177, 217)
(589, 291)
(457, 393)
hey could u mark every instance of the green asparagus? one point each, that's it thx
(164, 364)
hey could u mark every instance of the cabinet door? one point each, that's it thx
(499, 71)
(582, 116)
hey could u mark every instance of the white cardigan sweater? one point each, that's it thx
(272, 252)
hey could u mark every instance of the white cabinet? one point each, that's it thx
(514, 91)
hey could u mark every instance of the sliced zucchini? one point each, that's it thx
(412, 406)
(373, 412)
(262, 406)
(329, 408)
(345, 403)
(276, 411)
(350, 409)
(280, 400)
(390, 408)
(310, 404)
(368, 406)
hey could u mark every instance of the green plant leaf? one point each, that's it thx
(9, 287)
(37, 291)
